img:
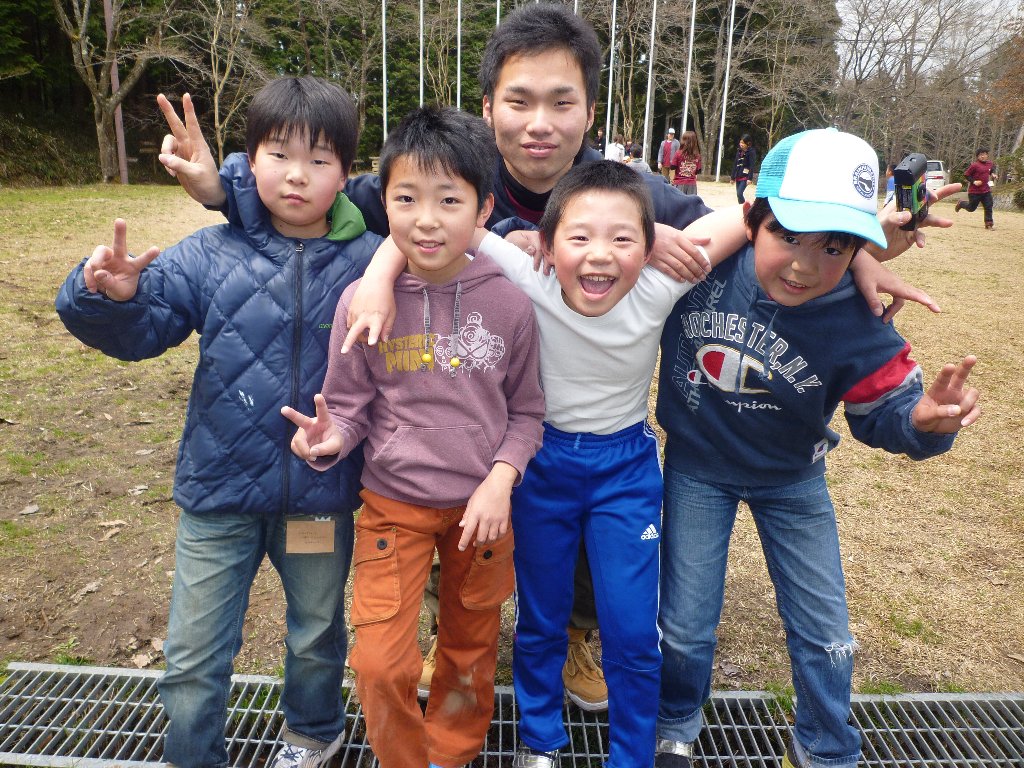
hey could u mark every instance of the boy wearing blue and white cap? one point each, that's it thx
(755, 361)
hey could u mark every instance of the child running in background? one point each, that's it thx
(755, 362)
(979, 186)
(687, 164)
(261, 296)
(450, 408)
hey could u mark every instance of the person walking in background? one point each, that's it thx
(743, 168)
(890, 183)
(636, 160)
(686, 163)
(615, 150)
(599, 141)
(979, 189)
(667, 153)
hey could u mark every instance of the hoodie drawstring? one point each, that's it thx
(455, 362)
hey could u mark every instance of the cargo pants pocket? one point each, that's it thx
(375, 589)
(490, 579)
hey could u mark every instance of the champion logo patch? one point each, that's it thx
(649, 533)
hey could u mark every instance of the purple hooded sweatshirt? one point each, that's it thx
(434, 429)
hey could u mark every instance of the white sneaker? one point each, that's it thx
(532, 758)
(294, 756)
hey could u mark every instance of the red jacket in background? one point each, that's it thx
(979, 171)
(687, 168)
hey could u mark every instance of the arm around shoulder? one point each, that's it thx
(523, 394)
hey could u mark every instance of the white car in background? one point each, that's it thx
(936, 175)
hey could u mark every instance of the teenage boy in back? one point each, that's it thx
(754, 363)
(451, 409)
(261, 295)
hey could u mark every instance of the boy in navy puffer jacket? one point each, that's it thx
(262, 297)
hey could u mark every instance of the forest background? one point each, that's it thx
(935, 76)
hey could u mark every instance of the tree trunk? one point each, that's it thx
(107, 143)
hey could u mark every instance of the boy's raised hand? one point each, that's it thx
(186, 156)
(900, 240)
(112, 271)
(947, 405)
(317, 436)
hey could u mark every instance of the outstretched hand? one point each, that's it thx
(947, 406)
(112, 271)
(872, 278)
(899, 240)
(317, 436)
(186, 156)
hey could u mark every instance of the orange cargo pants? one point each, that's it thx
(394, 548)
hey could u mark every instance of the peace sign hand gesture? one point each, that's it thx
(317, 436)
(112, 271)
(949, 403)
(186, 156)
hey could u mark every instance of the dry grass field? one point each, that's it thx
(934, 551)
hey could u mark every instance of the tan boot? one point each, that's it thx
(581, 675)
(429, 665)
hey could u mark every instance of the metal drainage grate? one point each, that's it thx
(89, 716)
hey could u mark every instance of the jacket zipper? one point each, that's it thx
(294, 396)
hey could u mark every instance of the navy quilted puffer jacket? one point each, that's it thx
(263, 305)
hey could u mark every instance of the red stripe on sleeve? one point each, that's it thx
(885, 379)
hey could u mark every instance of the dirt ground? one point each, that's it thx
(933, 551)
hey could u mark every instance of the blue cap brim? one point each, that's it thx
(803, 216)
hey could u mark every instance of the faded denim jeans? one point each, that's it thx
(797, 527)
(217, 557)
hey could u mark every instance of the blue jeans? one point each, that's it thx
(217, 557)
(741, 185)
(797, 527)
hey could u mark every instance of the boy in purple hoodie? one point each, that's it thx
(979, 186)
(451, 409)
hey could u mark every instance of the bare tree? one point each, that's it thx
(1003, 99)
(346, 35)
(794, 81)
(94, 54)
(908, 74)
(227, 36)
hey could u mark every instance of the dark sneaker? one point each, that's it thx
(532, 758)
(989, 225)
(959, 205)
(672, 754)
